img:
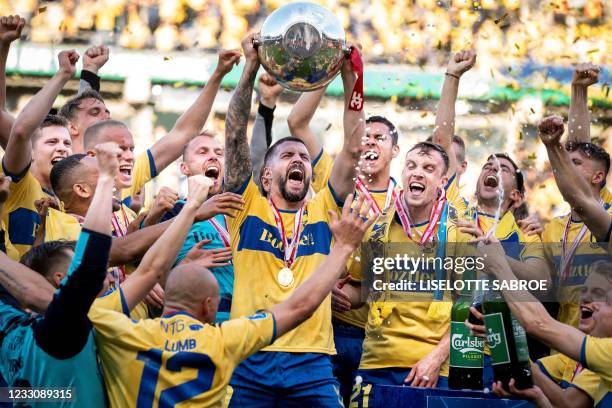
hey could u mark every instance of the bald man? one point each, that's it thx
(185, 357)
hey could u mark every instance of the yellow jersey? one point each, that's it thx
(587, 252)
(567, 372)
(19, 213)
(321, 171)
(259, 257)
(453, 192)
(174, 360)
(401, 328)
(358, 317)
(596, 355)
(114, 300)
(517, 244)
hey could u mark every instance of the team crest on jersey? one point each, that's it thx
(258, 316)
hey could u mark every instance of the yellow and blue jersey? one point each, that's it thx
(401, 327)
(567, 373)
(453, 192)
(258, 257)
(596, 356)
(19, 213)
(114, 299)
(516, 243)
(144, 171)
(587, 252)
(321, 171)
(174, 360)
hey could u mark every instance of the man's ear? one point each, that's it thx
(185, 169)
(266, 179)
(598, 178)
(517, 198)
(82, 190)
(72, 129)
(395, 151)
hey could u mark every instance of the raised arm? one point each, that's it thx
(65, 328)
(575, 190)
(348, 232)
(261, 139)
(343, 171)
(158, 260)
(525, 307)
(94, 58)
(19, 149)
(579, 124)
(238, 166)
(444, 128)
(300, 117)
(190, 123)
(10, 30)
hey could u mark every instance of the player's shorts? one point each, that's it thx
(272, 378)
(349, 345)
(365, 379)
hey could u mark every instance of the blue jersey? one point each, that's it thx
(225, 274)
(57, 350)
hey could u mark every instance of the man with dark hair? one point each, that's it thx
(283, 238)
(576, 240)
(379, 148)
(82, 111)
(459, 149)
(499, 189)
(50, 259)
(31, 152)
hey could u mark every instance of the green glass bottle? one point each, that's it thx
(466, 351)
(508, 343)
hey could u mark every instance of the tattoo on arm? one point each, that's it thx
(238, 165)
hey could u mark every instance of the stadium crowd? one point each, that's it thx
(248, 291)
(402, 31)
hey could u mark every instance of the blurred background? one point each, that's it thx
(163, 51)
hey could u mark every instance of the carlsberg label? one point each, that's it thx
(466, 351)
(496, 338)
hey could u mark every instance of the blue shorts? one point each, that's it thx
(349, 345)
(362, 391)
(279, 379)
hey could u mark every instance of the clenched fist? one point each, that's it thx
(550, 130)
(461, 62)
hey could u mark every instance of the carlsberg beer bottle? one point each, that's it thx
(466, 351)
(508, 343)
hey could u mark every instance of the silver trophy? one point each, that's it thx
(302, 46)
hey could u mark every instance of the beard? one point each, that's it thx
(292, 197)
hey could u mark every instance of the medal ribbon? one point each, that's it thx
(356, 101)
(222, 231)
(363, 190)
(120, 231)
(567, 256)
(290, 249)
(404, 215)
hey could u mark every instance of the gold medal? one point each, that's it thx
(285, 277)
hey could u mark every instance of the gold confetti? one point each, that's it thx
(167, 58)
(328, 126)
(42, 9)
(607, 89)
(520, 135)
(423, 114)
(492, 74)
(504, 26)
(592, 51)
(532, 111)
(576, 40)
(502, 18)
(532, 156)
(517, 46)
(512, 108)
(179, 84)
(394, 98)
(541, 185)
(412, 22)
(566, 56)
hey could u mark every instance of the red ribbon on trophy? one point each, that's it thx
(356, 102)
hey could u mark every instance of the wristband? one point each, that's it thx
(452, 75)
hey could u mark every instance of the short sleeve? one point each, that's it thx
(144, 170)
(321, 171)
(112, 300)
(552, 366)
(596, 355)
(247, 335)
(533, 248)
(110, 325)
(327, 199)
(250, 195)
(591, 384)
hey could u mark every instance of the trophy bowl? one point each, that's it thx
(302, 45)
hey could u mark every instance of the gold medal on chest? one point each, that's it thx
(285, 277)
